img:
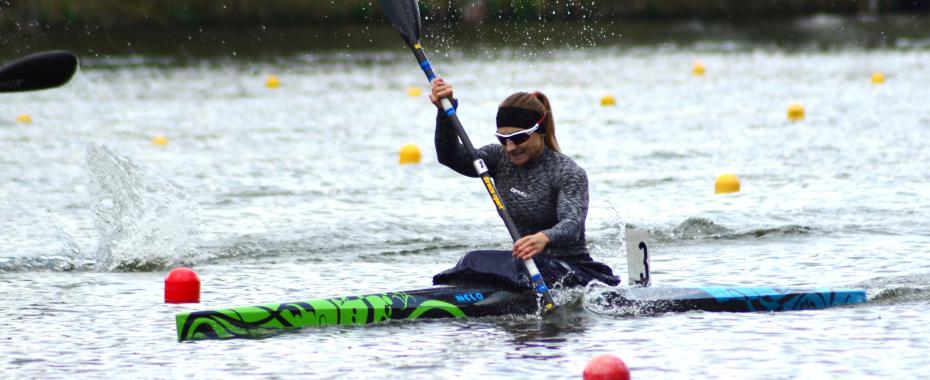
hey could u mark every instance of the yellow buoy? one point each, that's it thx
(608, 101)
(726, 183)
(272, 81)
(795, 112)
(24, 119)
(159, 140)
(878, 78)
(697, 69)
(414, 92)
(409, 154)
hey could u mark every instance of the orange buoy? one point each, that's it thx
(726, 183)
(159, 140)
(698, 68)
(414, 92)
(795, 112)
(272, 82)
(409, 154)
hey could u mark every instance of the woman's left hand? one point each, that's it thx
(529, 246)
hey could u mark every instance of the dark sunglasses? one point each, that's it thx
(518, 138)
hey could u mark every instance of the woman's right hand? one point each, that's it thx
(441, 90)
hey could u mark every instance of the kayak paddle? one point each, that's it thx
(38, 71)
(405, 15)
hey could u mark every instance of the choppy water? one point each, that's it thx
(292, 193)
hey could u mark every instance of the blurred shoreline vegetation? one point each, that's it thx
(167, 14)
(192, 29)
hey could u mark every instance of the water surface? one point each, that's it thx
(295, 193)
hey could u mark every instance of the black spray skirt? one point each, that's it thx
(501, 269)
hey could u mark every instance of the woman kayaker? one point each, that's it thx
(545, 191)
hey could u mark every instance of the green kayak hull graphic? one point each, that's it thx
(437, 302)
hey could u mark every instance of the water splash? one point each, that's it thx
(596, 300)
(145, 222)
(34, 240)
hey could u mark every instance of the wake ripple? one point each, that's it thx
(898, 290)
(697, 228)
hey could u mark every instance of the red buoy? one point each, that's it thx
(606, 367)
(182, 286)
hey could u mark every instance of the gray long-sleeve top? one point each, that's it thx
(549, 194)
